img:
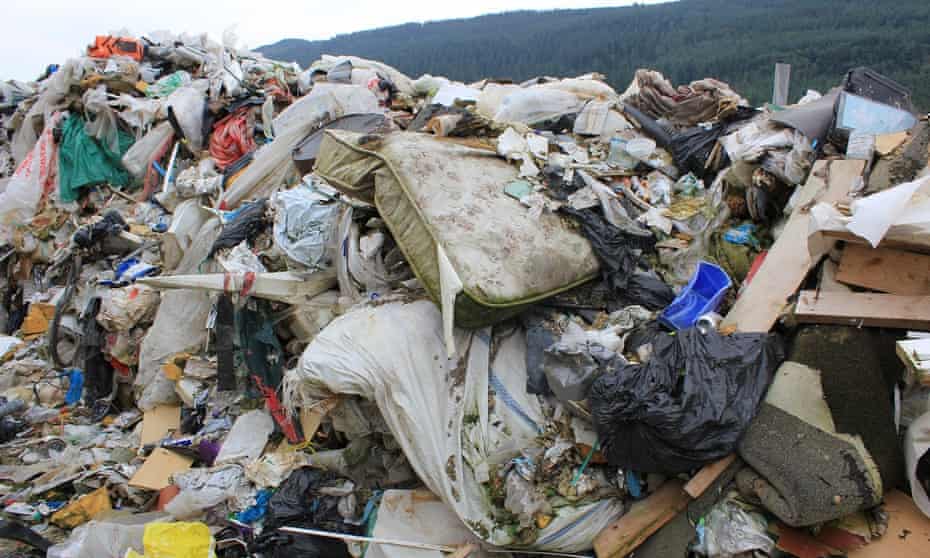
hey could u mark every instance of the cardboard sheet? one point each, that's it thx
(156, 472)
(157, 422)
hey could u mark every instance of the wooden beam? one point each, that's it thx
(885, 270)
(795, 251)
(283, 286)
(864, 309)
(644, 518)
(707, 475)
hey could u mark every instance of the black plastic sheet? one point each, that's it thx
(299, 503)
(689, 404)
(248, 223)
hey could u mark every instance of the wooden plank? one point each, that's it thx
(707, 475)
(828, 280)
(908, 533)
(644, 518)
(885, 270)
(886, 143)
(795, 251)
(864, 309)
(915, 354)
(912, 244)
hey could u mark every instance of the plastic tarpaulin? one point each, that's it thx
(439, 411)
(84, 161)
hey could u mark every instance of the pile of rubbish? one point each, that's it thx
(250, 309)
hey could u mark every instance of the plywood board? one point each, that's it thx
(795, 251)
(156, 472)
(908, 534)
(157, 422)
(864, 309)
(885, 269)
(642, 520)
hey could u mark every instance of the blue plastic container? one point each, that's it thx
(703, 294)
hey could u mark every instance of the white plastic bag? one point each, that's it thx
(138, 113)
(438, 409)
(451, 92)
(100, 119)
(110, 538)
(35, 176)
(123, 308)
(536, 104)
(247, 438)
(584, 87)
(203, 488)
(188, 105)
(305, 225)
(491, 97)
(417, 516)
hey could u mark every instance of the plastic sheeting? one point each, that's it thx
(327, 101)
(438, 409)
(305, 225)
(538, 104)
(139, 157)
(85, 161)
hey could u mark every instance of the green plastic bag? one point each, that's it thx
(166, 85)
(84, 161)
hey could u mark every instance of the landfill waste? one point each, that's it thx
(687, 405)
(254, 309)
(729, 530)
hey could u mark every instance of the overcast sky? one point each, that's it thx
(40, 32)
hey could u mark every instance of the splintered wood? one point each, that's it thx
(795, 251)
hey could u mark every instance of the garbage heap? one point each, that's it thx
(257, 310)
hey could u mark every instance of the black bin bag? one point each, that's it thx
(688, 405)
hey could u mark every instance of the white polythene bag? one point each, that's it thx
(438, 408)
(536, 104)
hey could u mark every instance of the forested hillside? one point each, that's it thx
(737, 41)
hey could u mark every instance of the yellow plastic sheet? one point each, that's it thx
(83, 509)
(176, 540)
